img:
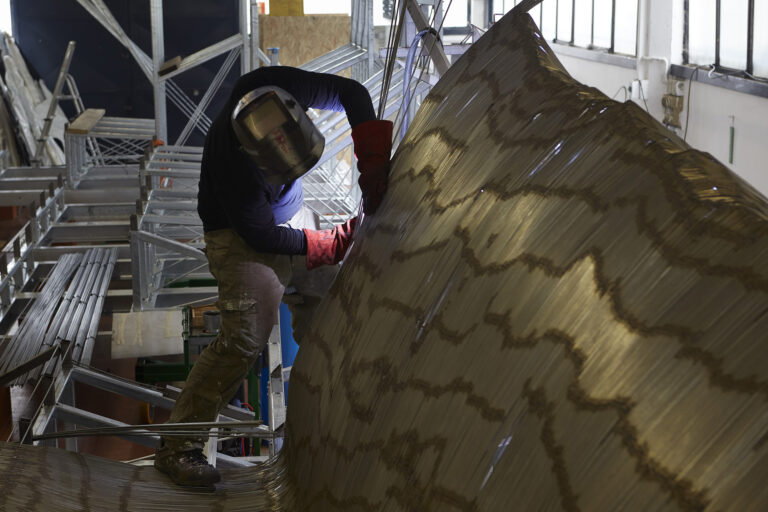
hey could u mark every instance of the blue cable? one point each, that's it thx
(407, 80)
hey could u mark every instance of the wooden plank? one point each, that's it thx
(320, 33)
(286, 8)
(170, 65)
(83, 123)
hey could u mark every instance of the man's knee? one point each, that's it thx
(245, 332)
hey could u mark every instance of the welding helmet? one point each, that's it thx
(275, 131)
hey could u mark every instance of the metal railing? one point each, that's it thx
(17, 257)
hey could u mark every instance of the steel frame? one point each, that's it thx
(165, 233)
(112, 141)
(59, 404)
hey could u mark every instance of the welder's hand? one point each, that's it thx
(373, 145)
(328, 246)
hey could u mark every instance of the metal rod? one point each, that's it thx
(573, 22)
(750, 36)
(43, 140)
(613, 26)
(158, 58)
(93, 328)
(717, 33)
(685, 33)
(24, 367)
(71, 314)
(241, 428)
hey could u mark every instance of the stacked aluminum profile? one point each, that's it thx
(57, 314)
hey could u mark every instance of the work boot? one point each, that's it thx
(188, 468)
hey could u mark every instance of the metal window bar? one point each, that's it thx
(717, 33)
(751, 36)
(573, 22)
(686, 34)
(613, 27)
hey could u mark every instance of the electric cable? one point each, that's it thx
(642, 95)
(408, 75)
(624, 87)
(522, 7)
(394, 37)
(421, 73)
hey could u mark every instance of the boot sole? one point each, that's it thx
(196, 485)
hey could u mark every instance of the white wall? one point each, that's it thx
(5, 16)
(711, 107)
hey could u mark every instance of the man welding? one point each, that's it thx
(256, 235)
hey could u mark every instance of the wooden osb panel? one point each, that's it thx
(303, 38)
(286, 7)
(560, 305)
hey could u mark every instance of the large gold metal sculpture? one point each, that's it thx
(560, 305)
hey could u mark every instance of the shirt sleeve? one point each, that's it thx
(314, 90)
(248, 208)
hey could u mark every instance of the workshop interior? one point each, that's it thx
(560, 304)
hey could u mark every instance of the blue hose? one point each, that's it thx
(407, 80)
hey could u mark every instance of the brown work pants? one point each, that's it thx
(251, 286)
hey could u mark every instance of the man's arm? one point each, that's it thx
(372, 138)
(314, 90)
(246, 205)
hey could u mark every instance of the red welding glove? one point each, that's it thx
(373, 145)
(328, 247)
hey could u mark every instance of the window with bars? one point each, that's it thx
(731, 36)
(609, 25)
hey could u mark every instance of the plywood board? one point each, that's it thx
(85, 122)
(303, 38)
(286, 7)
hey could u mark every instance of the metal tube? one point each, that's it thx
(93, 328)
(158, 57)
(750, 36)
(245, 60)
(43, 140)
(685, 34)
(92, 290)
(29, 340)
(98, 293)
(573, 21)
(717, 33)
(76, 287)
(613, 26)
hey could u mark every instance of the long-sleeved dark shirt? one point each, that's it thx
(232, 191)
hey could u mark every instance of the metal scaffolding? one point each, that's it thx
(136, 202)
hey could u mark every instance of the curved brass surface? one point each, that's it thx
(559, 305)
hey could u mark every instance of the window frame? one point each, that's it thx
(591, 45)
(748, 72)
(571, 43)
